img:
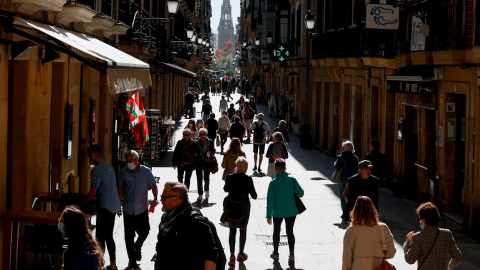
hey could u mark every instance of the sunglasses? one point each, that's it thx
(203, 134)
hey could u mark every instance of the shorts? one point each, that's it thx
(261, 146)
(248, 124)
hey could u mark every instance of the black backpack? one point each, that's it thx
(222, 258)
(234, 208)
(258, 133)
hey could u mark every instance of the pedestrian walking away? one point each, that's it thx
(367, 241)
(378, 159)
(104, 188)
(223, 128)
(236, 129)
(135, 181)
(281, 205)
(184, 156)
(183, 231)
(429, 246)
(203, 163)
(237, 207)
(275, 150)
(233, 153)
(189, 100)
(212, 126)
(348, 162)
(361, 184)
(82, 252)
(261, 135)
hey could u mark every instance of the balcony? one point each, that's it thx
(75, 13)
(99, 23)
(31, 6)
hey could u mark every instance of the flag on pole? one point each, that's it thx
(136, 112)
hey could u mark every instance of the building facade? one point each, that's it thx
(66, 70)
(413, 88)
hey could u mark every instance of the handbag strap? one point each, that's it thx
(438, 231)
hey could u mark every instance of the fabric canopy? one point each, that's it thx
(174, 68)
(125, 73)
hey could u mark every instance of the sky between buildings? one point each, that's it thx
(217, 10)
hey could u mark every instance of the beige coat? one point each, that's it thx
(228, 162)
(362, 247)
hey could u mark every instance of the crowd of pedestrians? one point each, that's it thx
(367, 243)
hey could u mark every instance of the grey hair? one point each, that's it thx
(282, 123)
(241, 163)
(179, 189)
(132, 154)
(187, 130)
(260, 114)
(204, 130)
(348, 146)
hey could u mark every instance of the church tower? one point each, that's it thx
(225, 30)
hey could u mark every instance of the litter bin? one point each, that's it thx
(305, 135)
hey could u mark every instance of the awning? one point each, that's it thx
(173, 68)
(125, 73)
(413, 80)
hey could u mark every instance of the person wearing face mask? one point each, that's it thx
(429, 246)
(135, 181)
(191, 126)
(82, 252)
(184, 157)
(104, 188)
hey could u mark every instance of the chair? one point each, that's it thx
(44, 240)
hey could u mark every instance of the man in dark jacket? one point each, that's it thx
(361, 184)
(185, 240)
(189, 100)
(184, 157)
(377, 158)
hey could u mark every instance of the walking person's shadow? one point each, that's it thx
(278, 266)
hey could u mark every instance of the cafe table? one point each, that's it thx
(11, 221)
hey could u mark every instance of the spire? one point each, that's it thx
(225, 30)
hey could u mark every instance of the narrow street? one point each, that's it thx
(319, 235)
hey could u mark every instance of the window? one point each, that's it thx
(283, 29)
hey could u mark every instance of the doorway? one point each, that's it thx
(357, 120)
(411, 152)
(326, 116)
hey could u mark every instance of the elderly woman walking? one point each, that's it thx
(367, 242)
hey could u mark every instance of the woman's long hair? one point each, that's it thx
(78, 233)
(364, 212)
(235, 146)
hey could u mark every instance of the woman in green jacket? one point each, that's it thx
(281, 205)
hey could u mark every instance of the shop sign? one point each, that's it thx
(409, 87)
(266, 67)
(265, 57)
(382, 16)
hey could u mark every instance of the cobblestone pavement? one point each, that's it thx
(318, 231)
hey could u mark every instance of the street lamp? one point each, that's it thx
(190, 31)
(244, 43)
(199, 39)
(309, 25)
(172, 6)
(269, 38)
(257, 41)
(194, 37)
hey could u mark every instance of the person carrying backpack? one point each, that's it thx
(261, 135)
(237, 207)
(276, 150)
(182, 230)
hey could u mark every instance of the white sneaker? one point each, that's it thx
(207, 194)
(200, 197)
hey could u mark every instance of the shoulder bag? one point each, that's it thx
(385, 265)
(336, 177)
(300, 206)
(420, 265)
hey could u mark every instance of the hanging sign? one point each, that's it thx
(382, 17)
